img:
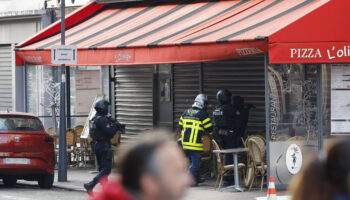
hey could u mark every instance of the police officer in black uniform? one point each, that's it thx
(102, 130)
(241, 116)
(224, 121)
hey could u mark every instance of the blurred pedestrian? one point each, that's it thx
(152, 170)
(326, 177)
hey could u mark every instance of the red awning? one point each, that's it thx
(185, 31)
(322, 36)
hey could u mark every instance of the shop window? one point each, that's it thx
(293, 117)
(340, 92)
(293, 101)
(43, 90)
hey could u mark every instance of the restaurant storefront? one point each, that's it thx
(279, 55)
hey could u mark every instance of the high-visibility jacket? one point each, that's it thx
(194, 122)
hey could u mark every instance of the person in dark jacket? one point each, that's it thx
(102, 130)
(193, 123)
(241, 115)
(151, 170)
(227, 134)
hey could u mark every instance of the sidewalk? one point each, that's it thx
(77, 177)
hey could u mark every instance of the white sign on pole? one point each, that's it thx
(64, 54)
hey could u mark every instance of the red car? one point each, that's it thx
(26, 150)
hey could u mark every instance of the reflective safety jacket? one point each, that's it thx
(194, 122)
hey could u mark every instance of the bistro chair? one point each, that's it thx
(222, 169)
(250, 167)
(79, 147)
(256, 151)
(281, 137)
(297, 138)
(206, 155)
(70, 144)
(115, 142)
(78, 131)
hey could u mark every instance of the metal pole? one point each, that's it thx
(69, 116)
(319, 107)
(267, 113)
(62, 165)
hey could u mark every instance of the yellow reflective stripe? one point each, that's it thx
(191, 137)
(192, 127)
(208, 125)
(192, 148)
(196, 133)
(192, 144)
(191, 120)
(206, 120)
(181, 121)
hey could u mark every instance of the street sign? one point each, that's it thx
(64, 54)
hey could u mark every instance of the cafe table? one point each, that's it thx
(234, 151)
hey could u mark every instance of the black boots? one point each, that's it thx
(89, 186)
(198, 180)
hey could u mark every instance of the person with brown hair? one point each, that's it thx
(151, 170)
(326, 177)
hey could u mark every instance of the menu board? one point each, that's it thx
(340, 98)
(87, 84)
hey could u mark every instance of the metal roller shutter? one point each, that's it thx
(5, 78)
(134, 98)
(186, 85)
(243, 77)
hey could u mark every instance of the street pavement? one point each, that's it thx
(73, 189)
(33, 192)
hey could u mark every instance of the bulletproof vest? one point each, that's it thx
(223, 116)
(95, 134)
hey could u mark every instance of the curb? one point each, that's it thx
(69, 187)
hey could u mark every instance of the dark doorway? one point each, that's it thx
(164, 96)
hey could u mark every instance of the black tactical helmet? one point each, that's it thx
(224, 96)
(101, 107)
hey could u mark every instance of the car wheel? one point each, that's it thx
(46, 181)
(9, 181)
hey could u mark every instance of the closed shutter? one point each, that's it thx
(243, 77)
(134, 99)
(5, 78)
(186, 84)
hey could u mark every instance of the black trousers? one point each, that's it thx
(104, 156)
(230, 139)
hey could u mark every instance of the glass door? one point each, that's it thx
(293, 118)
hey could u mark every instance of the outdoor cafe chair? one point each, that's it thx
(224, 170)
(256, 152)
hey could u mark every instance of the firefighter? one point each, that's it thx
(102, 129)
(226, 132)
(195, 122)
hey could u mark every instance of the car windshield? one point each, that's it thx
(20, 123)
